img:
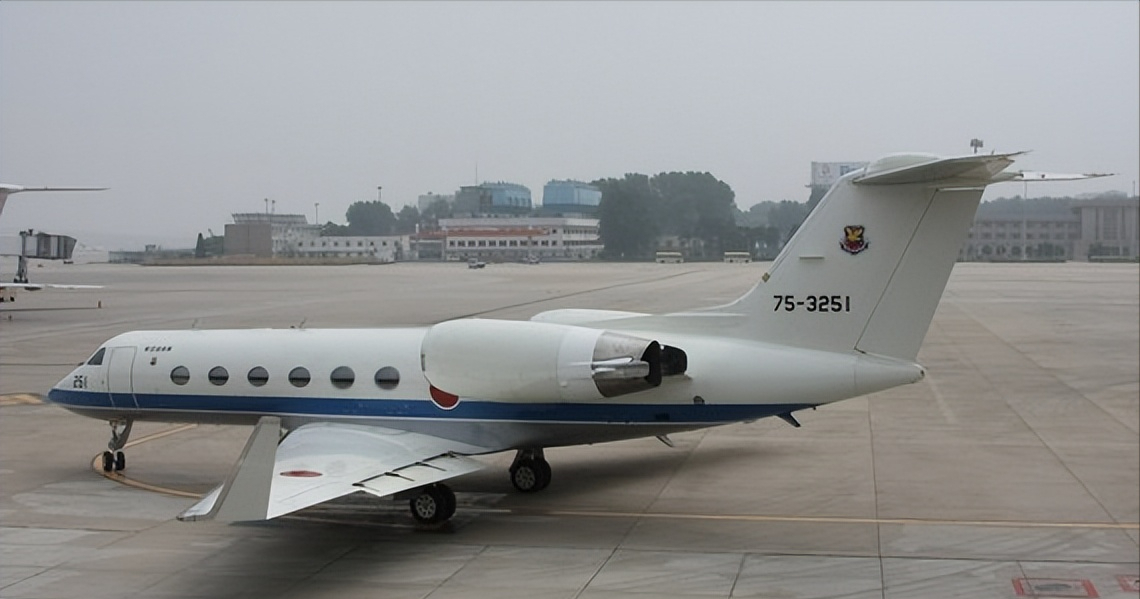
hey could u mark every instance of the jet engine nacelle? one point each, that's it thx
(508, 360)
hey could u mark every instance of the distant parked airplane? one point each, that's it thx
(8, 290)
(840, 313)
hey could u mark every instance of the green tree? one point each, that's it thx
(331, 229)
(435, 211)
(407, 219)
(370, 218)
(786, 216)
(627, 217)
(695, 205)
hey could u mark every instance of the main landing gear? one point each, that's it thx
(530, 472)
(433, 504)
(114, 460)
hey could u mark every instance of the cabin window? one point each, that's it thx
(218, 375)
(387, 378)
(180, 375)
(258, 376)
(342, 377)
(97, 358)
(299, 376)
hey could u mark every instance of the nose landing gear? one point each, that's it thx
(114, 459)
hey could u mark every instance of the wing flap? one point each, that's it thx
(422, 473)
(319, 462)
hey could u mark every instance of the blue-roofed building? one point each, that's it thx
(570, 198)
(493, 199)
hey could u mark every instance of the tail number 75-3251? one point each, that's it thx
(813, 303)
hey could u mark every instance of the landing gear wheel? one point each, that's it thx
(530, 475)
(120, 461)
(433, 504)
(108, 461)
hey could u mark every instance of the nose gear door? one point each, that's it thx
(119, 382)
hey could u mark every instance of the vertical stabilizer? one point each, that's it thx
(868, 266)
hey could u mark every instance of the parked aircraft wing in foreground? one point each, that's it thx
(840, 313)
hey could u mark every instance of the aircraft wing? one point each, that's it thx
(322, 461)
(39, 286)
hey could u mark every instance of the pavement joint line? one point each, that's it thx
(96, 465)
(843, 520)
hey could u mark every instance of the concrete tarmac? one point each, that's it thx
(1012, 470)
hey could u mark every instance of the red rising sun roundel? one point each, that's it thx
(300, 474)
(853, 240)
(442, 398)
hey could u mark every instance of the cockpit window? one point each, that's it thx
(97, 358)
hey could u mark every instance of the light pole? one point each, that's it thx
(317, 211)
(379, 197)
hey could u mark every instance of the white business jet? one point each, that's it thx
(8, 290)
(840, 313)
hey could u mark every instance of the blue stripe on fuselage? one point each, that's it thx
(612, 413)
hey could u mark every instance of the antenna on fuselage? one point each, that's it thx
(194, 325)
(300, 326)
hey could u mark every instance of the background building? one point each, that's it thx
(519, 238)
(1104, 227)
(426, 200)
(825, 174)
(493, 200)
(264, 234)
(1108, 228)
(1010, 233)
(570, 198)
(378, 248)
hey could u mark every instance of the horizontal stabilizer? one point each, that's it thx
(1030, 176)
(959, 171)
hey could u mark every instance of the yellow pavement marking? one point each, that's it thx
(97, 465)
(17, 399)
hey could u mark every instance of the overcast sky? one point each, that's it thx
(192, 111)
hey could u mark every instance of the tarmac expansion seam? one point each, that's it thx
(96, 465)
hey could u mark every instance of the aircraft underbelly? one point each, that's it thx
(496, 425)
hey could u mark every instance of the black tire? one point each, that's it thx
(108, 461)
(430, 505)
(530, 476)
(545, 474)
(449, 501)
(120, 461)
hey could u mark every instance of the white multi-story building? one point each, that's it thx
(519, 238)
(265, 234)
(381, 248)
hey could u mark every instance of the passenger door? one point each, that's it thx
(120, 385)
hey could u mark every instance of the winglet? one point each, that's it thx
(245, 494)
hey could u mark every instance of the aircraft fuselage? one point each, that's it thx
(375, 376)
